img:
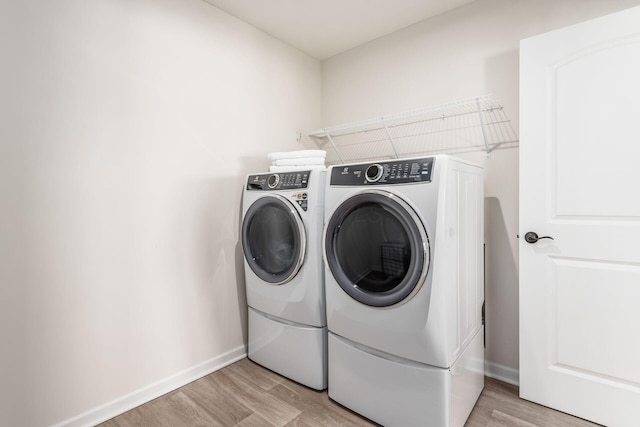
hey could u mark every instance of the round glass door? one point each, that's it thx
(273, 239)
(377, 248)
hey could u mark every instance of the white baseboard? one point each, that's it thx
(145, 394)
(502, 373)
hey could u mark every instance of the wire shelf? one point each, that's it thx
(475, 124)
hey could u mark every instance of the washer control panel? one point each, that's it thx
(379, 173)
(278, 181)
(283, 181)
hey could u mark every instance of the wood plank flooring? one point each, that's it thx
(245, 394)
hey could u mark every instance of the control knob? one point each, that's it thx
(273, 180)
(374, 172)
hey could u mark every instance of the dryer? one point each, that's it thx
(281, 231)
(403, 248)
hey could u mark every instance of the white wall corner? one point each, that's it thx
(145, 394)
(502, 373)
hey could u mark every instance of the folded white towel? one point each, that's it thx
(273, 168)
(302, 161)
(296, 154)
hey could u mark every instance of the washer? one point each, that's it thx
(281, 240)
(405, 292)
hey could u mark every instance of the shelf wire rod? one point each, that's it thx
(393, 146)
(500, 130)
(487, 123)
(484, 133)
(504, 130)
(334, 146)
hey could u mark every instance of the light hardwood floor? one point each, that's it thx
(245, 394)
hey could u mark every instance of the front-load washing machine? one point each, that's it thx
(403, 249)
(281, 240)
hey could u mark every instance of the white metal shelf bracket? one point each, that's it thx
(328, 135)
(393, 146)
(482, 127)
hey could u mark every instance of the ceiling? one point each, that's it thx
(324, 28)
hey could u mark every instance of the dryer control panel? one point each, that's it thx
(278, 181)
(384, 173)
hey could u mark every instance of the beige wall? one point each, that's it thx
(126, 129)
(470, 51)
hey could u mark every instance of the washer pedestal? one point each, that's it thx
(394, 391)
(291, 349)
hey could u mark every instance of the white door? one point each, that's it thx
(580, 184)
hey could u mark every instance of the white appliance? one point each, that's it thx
(403, 248)
(281, 231)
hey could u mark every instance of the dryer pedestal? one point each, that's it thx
(394, 391)
(291, 349)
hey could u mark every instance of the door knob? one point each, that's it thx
(532, 237)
